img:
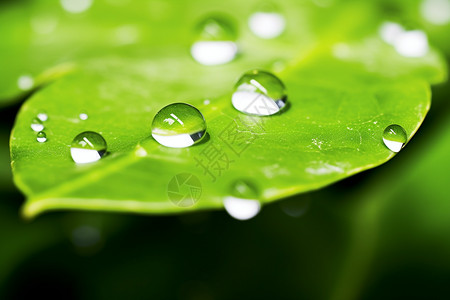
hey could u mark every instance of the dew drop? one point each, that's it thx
(394, 137)
(413, 43)
(25, 82)
(390, 31)
(267, 22)
(296, 207)
(178, 125)
(37, 125)
(41, 137)
(83, 116)
(407, 43)
(215, 42)
(259, 93)
(86, 236)
(42, 116)
(436, 12)
(87, 147)
(76, 6)
(244, 203)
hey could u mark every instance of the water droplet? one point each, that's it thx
(83, 116)
(86, 236)
(25, 82)
(296, 207)
(244, 203)
(76, 6)
(178, 125)
(407, 43)
(390, 31)
(87, 147)
(37, 125)
(215, 43)
(267, 22)
(394, 137)
(412, 43)
(41, 137)
(259, 93)
(42, 116)
(436, 12)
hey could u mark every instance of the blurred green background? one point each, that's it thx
(382, 234)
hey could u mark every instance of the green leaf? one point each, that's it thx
(344, 87)
(331, 130)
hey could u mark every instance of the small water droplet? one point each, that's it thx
(87, 147)
(178, 125)
(83, 116)
(215, 42)
(436, 12)
(37, 125)
(42, 116)
(86, 236)
(41, 137)
(25, 82)
(76, 6)
(296, 207)
(279, 65)
(259, 93)
(390, 31)
(267, 22)
(394, 137)
(244, 203)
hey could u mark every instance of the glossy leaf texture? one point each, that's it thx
(344, 88)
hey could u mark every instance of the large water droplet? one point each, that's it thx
(37, 125)
(178, 125)
(41, 137)
(87, 147)
(267, 22)
(259, 93)
(394, 137)
(244, 203)
(215, 42)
